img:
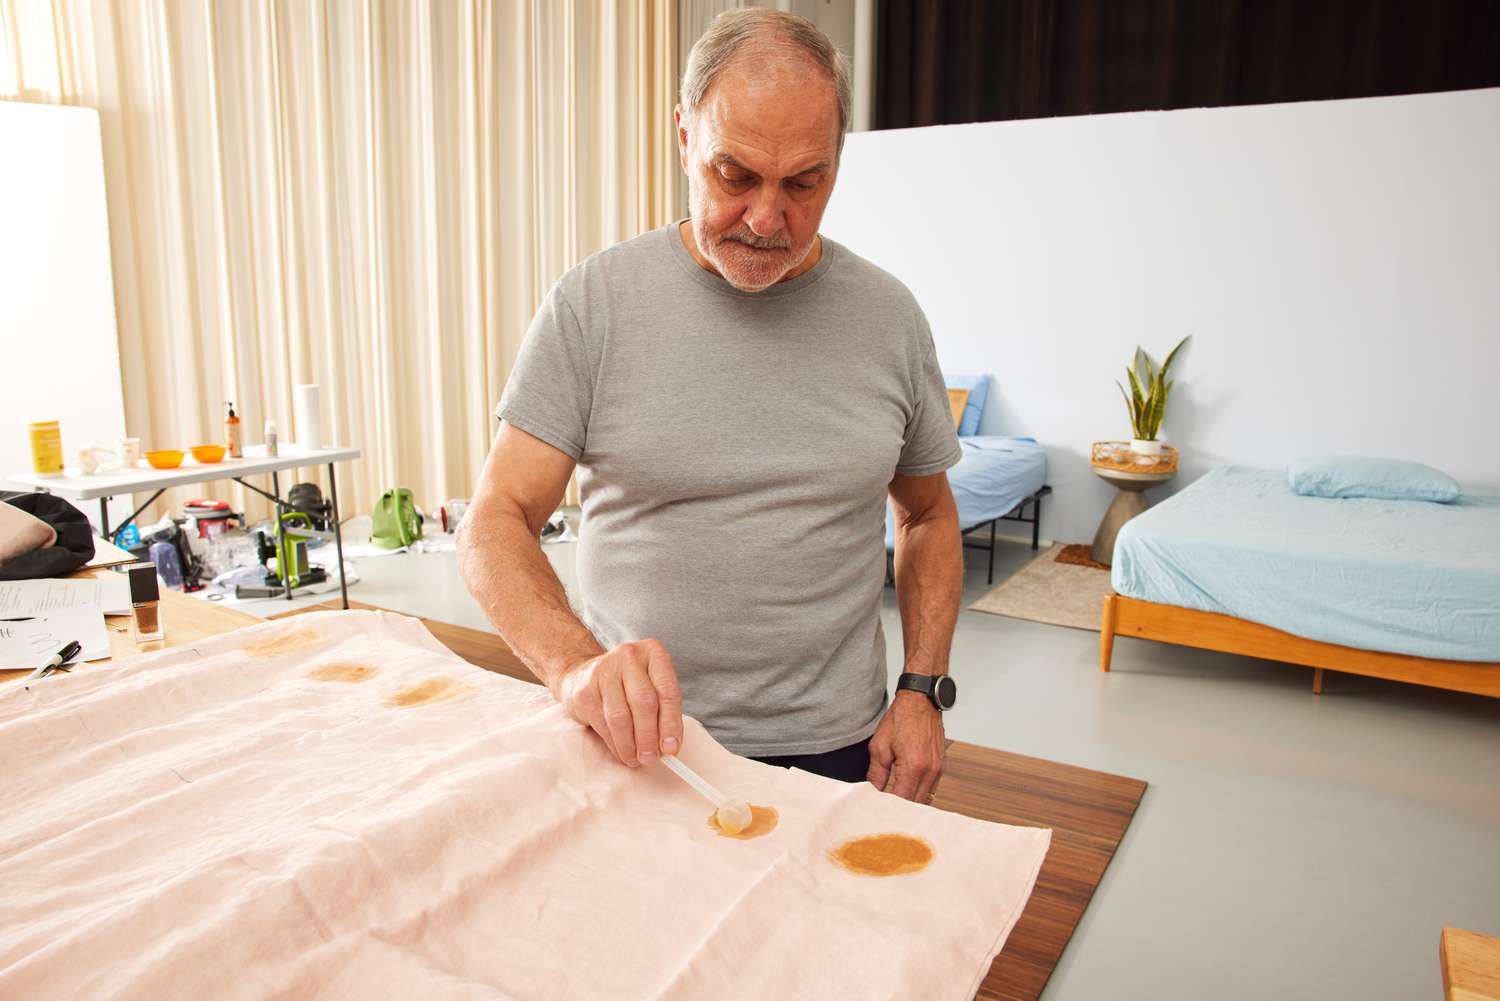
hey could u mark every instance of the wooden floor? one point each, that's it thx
(1088, 812)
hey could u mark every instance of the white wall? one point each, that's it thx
(1337, 263)
(58, 346)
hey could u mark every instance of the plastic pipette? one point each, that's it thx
(733, 815)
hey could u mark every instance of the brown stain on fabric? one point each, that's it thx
(342, 672)
(426, 692)
(280, 646)
(883, 854)
(763, 821)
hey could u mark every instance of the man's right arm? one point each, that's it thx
(628, 695)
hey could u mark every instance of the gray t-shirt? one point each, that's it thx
(734, 453)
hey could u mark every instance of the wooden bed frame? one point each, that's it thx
(1211, 631)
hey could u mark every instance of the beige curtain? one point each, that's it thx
(370, 196)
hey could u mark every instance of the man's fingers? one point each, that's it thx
(640, 694)
(617, 716)
(928, 784)
(668, 697)
(880, 765)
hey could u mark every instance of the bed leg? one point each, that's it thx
(1107, 633)
(1317, 681)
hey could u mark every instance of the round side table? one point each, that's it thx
(1132, 474)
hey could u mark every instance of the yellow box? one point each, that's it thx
(46, 448)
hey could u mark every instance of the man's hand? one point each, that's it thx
(906, 751)
(630, 697)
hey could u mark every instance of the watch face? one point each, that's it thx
(946, 691)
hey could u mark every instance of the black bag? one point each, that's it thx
(75, 538)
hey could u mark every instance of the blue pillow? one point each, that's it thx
(978, 387)
(1381, 479)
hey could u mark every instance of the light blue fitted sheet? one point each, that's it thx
(995, 474)
(1409, 577)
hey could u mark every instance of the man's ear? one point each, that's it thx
(682, 136)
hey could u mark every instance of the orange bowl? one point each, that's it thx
(208, 453)
(165, 458)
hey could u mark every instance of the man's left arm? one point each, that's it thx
(906, 752)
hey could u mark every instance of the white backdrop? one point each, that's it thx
(1337, 263)
(61, 358)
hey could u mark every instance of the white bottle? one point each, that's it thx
(270, 439)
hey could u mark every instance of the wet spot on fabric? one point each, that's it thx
(762, 821)
(342, 672)
(883, 854)
(426, 692)
(280, 646)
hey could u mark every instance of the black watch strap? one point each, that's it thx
(940, 689)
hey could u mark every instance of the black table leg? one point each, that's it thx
(338, 533)
(104, 518)
(281, 550)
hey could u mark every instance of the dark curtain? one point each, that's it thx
(972, 61)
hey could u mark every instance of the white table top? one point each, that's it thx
(76, 486)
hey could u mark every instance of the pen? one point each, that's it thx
(56, 660)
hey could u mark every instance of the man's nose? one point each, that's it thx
(766, 214)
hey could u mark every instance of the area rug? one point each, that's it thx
(1061, 587)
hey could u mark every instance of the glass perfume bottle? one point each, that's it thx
(145, 603)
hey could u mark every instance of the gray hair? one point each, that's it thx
(764, 30)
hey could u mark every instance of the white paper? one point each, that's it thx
(28, 643)
(109, 594)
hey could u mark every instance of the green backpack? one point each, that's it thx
(395, 522)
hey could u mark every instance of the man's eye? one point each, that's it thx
(802, 185)
(734, 178)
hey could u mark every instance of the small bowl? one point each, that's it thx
(165, 458)
(208, 453)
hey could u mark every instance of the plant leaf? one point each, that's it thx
(1172, 354)
(1138, 411)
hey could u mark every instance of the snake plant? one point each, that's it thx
(1149, 388)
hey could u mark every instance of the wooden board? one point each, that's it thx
(1088, 812)
(1470, 964)
(185, 621)
(1124, 616)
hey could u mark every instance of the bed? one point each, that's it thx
(999, 478)
(1237, 562)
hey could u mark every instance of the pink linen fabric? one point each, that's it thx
(215, 822)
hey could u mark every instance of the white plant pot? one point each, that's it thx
(1142, 447)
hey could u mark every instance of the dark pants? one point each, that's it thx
(847, 764)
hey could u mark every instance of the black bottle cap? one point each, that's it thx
(143, 586)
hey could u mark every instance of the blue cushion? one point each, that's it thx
(1381, 479)
(978, 387)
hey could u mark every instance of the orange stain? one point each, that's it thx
(342, 672)
(762, 821)
(883, 855)
(426, 692)
(280, 646)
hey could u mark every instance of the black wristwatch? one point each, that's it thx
(940, 689)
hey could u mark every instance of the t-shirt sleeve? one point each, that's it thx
(931, 443)
(551, 388)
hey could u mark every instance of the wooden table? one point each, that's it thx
(1088, 812)
(185, 620)
(1471, 965)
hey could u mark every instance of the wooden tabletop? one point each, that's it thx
(1470, 964)
(1088, 812)
(185, 621)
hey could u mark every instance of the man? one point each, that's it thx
(740, 395)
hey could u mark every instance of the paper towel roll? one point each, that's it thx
(308, 406)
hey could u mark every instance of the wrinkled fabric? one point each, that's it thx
(1408, 577)
(214, 822)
